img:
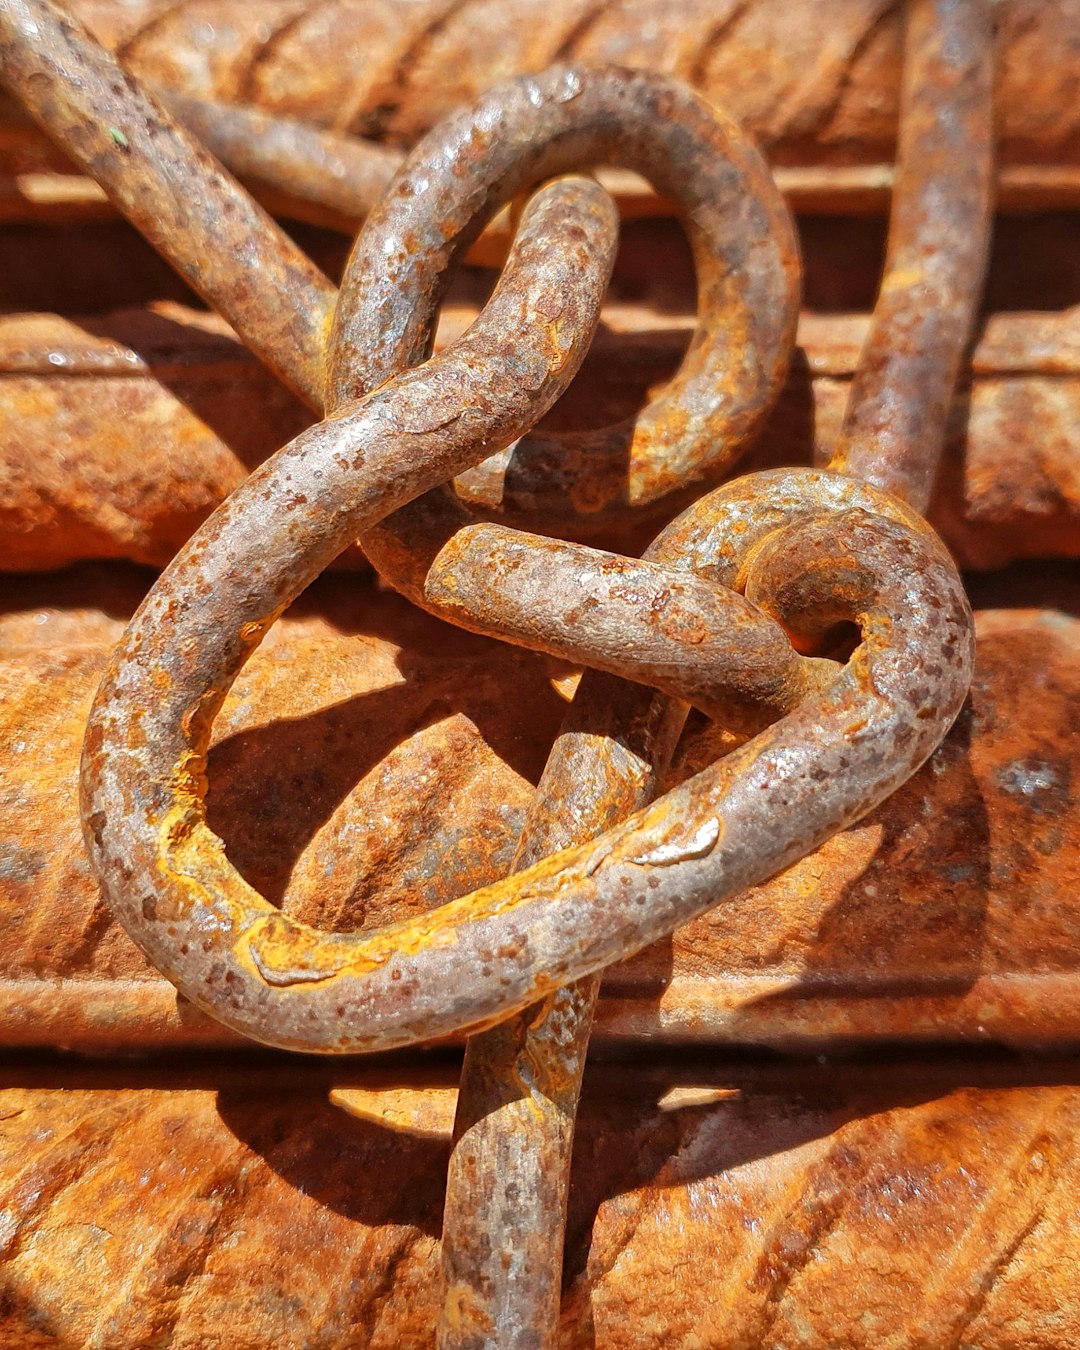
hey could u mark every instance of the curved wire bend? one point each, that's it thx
(748, 278)
(471, 962)
(801, 543)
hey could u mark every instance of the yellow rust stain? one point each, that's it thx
(194, 869)
(900, 278)
(556, 353)
(425, 1113)
(279, 945)
(188, 790)
(463, 1313)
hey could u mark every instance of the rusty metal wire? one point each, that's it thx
(342, 175)
(509, 1171)
(720, 612)
(939, 234)
(744, 249)
(261, 972)
(508, 1177)
(818, 86)
(167, 185)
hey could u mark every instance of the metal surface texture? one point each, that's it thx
(120, 433)
(509, 1172)
(171, 189)
(367, 766)
(269, 967)
(508, 1177)
(812, 614)
(818, 88)
(242, 596)
(939, 234)
(891, 1202)
(747, 274)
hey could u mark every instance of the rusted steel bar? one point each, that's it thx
(722, 1203)
(329, 179)
(640, 618)
(816, 589)
(96, 821)
(185, 204)
(335, 179)
(946, 915)
(277, 981)
(509, 1170)
(303, 972)
(530, 129)
(342, 175)
(119, 436)
(81, 479)
(815, 85)
(985, 806)
(503, 1219)
(567, 235)
(59, 195)
(939, 233)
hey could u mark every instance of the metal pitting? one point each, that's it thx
(736, 608)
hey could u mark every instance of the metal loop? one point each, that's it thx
(748, 286)
(795, 551)
(474, 960)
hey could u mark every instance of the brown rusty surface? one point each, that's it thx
(856, 1205)
(947, 913)
(144, 756)
(265, 151)
(815, 551)
(745, 255)
(340, 177)
(813, 83)
(342, 710)
(510, 1168)
(81, 476)
(819, 550)
(939, 232)
(508, 1177)
(646, 619)
(176, 194)
(117, 439)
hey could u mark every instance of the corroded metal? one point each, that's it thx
(181, 199)
(340, 175)
(469, 962)
(349, 471)
(120, 433)
(818, 86)
(747, 269)
(807, 554)
(720, 1201)
(509, 1173)
(368, 766)
(939, 234)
